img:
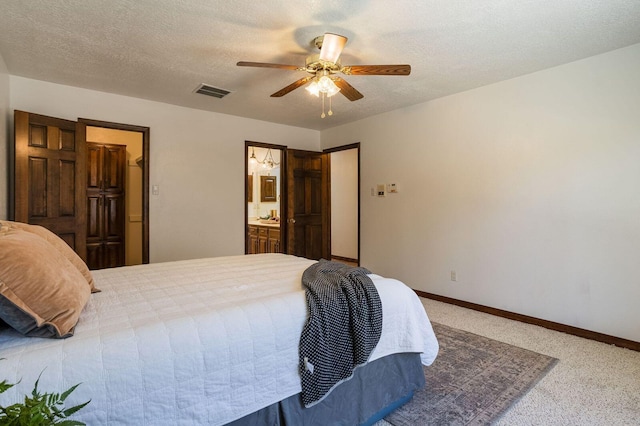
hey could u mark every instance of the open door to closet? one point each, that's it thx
(53, 186)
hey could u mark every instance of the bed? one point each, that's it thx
(213, 341)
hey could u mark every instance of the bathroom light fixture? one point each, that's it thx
(253, 160)
(267, 162)
(323, 84)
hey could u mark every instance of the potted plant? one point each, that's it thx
(39, 409)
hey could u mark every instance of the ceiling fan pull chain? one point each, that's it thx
(323, 115)
(330, 112)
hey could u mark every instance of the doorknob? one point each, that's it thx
(292, 220)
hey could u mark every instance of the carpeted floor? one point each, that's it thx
(472, 382)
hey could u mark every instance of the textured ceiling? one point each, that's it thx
(163, 49)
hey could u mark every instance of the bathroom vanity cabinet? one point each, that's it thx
(264, 239)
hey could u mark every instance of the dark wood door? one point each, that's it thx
(49, 176)
(105, 200)
(308, 204)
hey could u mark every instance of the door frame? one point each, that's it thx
(145, 172)
(281, 184)
(355, 145)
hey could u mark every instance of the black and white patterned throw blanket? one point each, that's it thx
(343, 328)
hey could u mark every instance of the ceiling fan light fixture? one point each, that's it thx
(313, 88)
(332, 45)
(327, 86)
(321, 69)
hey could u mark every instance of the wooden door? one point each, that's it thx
(106, 168)
(50, 176)
(307, 204)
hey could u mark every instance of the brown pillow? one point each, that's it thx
(59, 244)
(41, 293)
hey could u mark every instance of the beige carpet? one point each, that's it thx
(592, 384)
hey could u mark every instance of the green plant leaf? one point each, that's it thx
(74, 409)
(66, 393)
(4, 386)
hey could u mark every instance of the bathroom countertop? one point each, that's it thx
(257, 222)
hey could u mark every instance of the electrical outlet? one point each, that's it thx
(454, 276)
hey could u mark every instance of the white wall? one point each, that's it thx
(344, 203)
(197, 158)
(529, 189)
(4, 138)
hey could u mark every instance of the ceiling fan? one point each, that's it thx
(323, 67)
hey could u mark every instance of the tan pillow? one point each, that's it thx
(41, 293)
(60, 245)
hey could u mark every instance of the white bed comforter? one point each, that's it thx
(193, 342)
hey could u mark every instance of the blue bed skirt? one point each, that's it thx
(375, 390)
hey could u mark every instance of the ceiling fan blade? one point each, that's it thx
(376, 69)
(267, 65)
(332, 45)
(292, 86)
(347, 90)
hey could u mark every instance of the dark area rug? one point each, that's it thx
(473, 381)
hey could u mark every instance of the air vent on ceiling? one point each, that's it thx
(205, 89)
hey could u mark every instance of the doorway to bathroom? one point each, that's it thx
(303, 203)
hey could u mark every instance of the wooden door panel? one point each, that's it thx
(114, 172)
(69, 239)
(37, 136)
(94, 218)
(297, 242)
(67, 141)
(114, 217)
(94, 167)
(67, 171)
(112, 255)
(37, 187)
(313, 240)
(315, 198)
(299, 190)
(94, 255)
(49, 176)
